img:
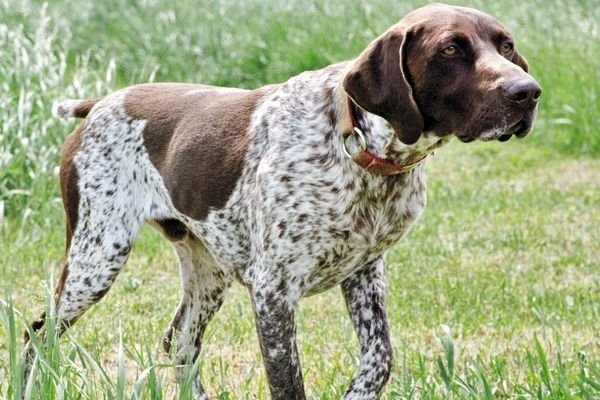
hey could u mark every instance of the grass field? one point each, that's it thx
(494, 294)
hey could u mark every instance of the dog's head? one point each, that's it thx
(446, 70)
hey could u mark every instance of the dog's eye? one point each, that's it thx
(450, 51)
(506, 48)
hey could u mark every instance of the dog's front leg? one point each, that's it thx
(274, 311)
(364, 292)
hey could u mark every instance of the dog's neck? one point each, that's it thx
(381, 139)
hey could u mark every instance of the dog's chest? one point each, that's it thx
(314, 234)
(371, 221)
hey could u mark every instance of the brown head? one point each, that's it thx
(446, 70)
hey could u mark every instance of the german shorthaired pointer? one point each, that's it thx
(290, 189)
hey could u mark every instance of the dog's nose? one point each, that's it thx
(524, 92)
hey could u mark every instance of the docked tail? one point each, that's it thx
(73, 108)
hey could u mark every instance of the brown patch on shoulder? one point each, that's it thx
(197, 137)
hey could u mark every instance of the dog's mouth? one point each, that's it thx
(516, 130)
(520, 129)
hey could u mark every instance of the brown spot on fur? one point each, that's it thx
(197, 137)
(69, 181)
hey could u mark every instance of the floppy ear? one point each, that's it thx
(520, 61)
(377, 82)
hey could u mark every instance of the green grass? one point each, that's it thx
(507, 255)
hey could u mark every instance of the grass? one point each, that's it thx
(494, 294)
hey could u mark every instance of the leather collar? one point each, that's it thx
(367, 160)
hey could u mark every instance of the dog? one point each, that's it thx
(290, 189)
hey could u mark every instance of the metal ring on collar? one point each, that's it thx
(361, 138)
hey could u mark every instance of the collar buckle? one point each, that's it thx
(368, 160)
(361, 138)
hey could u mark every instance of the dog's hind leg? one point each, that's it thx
(109, 189)
(99, 248)
(203, 287)
(70, 196)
